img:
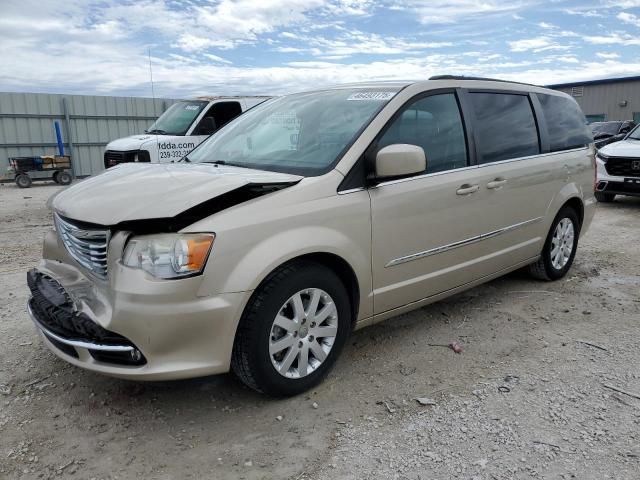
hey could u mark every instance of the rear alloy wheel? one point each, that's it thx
(560, 247)
(605, 197)
(23, 180)
(292, 329)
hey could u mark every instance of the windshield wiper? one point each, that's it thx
(156, 131)
(224, 162)
(184, 159)
(218, 162)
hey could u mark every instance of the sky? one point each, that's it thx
(242, 47)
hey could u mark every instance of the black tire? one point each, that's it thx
(543, 268)
(55, 176)
(23, 180)
(605, 197)
(64, 178)
(251, 360)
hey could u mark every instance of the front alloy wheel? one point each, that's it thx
(292, 329)
(303, 333)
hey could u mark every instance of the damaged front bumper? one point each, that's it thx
(73, 332)
(131, 325)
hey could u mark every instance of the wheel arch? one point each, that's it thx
(337, 265)
(576, 204)
(569, 196)
(345, 272)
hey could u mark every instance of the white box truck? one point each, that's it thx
(179, 130)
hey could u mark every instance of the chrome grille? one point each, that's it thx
(87, 246)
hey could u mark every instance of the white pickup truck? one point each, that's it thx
(179, 130)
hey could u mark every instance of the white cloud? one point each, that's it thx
(246, 19)
(629, 18)
(101, 45)
(216, 58)
(584, 12)
(291, 35)
(442, 11)
(613, 39)
(608, 56)
(622, 3)
(290, 50)
(356, 42)
(351, 7)
(567, 59)
(535, 44)
(193, 43)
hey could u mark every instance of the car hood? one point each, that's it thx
(130, 192)
(623, 148)
(129, 143)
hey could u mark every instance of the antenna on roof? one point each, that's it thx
(153, 96)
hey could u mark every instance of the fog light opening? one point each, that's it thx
(136, 356)
(601, 186)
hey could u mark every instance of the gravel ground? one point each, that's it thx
(531, 396)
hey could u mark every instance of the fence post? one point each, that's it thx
(67, 123)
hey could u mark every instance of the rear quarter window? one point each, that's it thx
(566, 124)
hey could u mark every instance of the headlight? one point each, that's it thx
(169, 255)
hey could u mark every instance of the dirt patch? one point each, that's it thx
(529, 396)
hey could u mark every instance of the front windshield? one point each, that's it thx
(635, 133)
(610, 128)
(178, 118)
(302, 134)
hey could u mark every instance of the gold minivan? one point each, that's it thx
(308, 216)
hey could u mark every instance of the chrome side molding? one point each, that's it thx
(461, 243)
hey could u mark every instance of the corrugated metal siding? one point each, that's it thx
(605, 98)
(26, 125)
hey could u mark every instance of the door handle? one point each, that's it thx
(497, 183)
(467, 189)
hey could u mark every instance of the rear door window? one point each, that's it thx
(433, 123)
(505, 126)
(566, 124)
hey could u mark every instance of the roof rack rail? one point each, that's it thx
(485, 79)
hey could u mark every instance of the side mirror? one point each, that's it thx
(399, 160)
(207, 126)
(625, 130)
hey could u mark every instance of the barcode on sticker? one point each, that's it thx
(371, 96)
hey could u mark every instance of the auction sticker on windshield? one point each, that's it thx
(371, 96)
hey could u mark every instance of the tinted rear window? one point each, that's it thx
(506, 127)
(566, 124)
